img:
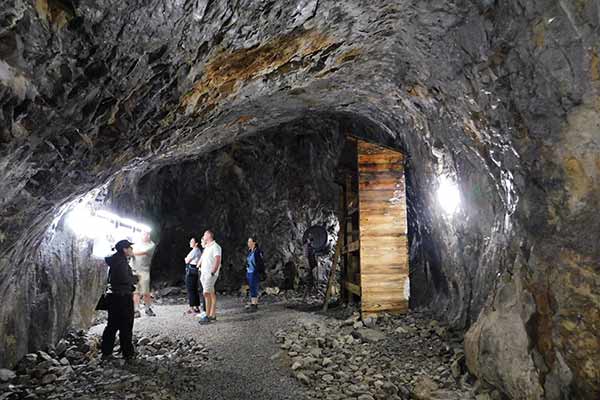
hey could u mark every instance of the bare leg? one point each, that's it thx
(254, 300)
(213, 304)
(147, 299)
(208, 301)
(136, 301)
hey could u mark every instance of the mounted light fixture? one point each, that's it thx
(103, 227)
(448, 195)
(123, 222)
(84, 222)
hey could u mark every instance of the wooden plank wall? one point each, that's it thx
(383, 229)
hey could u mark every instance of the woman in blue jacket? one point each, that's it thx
(254, 267)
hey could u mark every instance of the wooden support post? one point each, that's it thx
(349, 235)
(336, 260)
(337, 257)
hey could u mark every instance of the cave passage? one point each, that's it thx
(244, 191)
(182, 116)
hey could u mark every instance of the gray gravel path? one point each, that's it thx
(241, 348)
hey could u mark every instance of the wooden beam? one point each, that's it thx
(384, 158)
(336, 260)
(352, 247)
(352, 287)
(377, 307)
(365, 142)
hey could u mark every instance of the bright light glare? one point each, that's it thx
(103, 223)
(103, 227)
(123, 221)
(81, 221)
(448, 195)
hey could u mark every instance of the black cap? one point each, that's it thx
(122, 244)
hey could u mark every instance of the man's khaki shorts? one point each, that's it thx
(143, 285)
(208, 282)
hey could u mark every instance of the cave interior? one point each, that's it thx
(234, 116)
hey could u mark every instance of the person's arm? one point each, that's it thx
(217, 264)
(141, 253)
(191, 255)
(144, 251)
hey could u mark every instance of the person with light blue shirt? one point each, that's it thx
(254, 268)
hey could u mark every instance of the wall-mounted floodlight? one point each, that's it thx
(448, 195)
(124, 222)
(104, 227)
(88, 224)
(81, 221)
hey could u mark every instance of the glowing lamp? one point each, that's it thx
(448, 195)
(81, 221)
(104, 227)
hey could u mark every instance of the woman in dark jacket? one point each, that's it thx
(192, 278)
(120, 302)
(254, 267)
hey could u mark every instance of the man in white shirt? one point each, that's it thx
(143, 253)
(210, 262)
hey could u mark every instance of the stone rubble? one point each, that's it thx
(405, 357)
(163, 369)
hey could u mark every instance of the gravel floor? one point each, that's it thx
(246, 362)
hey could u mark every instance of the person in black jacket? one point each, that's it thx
(120, 302)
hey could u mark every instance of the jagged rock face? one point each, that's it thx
(55, 287)
(501, 96)
(271, 188)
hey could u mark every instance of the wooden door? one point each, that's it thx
(383, 230)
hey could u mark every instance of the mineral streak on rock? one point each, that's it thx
(226, 72)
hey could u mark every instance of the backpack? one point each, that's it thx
(260, 263)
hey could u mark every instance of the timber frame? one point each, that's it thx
(373, 228)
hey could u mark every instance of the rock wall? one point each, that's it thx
(546, 304)
(55, 288)
(501, 97)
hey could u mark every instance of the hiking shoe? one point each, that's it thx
(149, 312)
(252, 308)
(204, 321)
(212, 318)
(137, 314)
(106, 358)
